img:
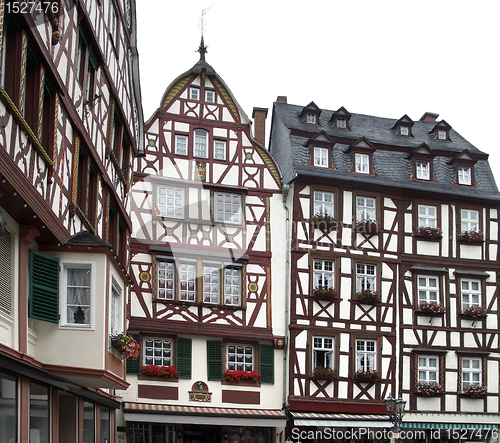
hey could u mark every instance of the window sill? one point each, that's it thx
(473, 397)
(330, 300)
(420, 313)
(471, 242)
(215, 307)
(421, 394)
(153, 378)
(241, 383)
(424, 237)
(361, 302)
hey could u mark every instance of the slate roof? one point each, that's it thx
(85, 238)
(392, 167)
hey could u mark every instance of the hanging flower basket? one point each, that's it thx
(160, 371)
(321, 373)
(475, 391)
(324, 222)
(367, 376)
(367, 227)
(472, 236)
(236, 376)
(431, 307)
(324, 293)
(474, 312)
(428, 232)
(368, 297)
(429, 389)
(126, 345)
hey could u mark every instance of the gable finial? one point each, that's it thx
(202, 49)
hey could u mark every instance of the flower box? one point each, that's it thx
(471, 236)
(367, 376)
(160, 371)
(429, 389)
(368, 227)
(125, 345)
(429, 233)
(368, 297)
(321, 373)
(474, 312)
(237, 376)
(431, 307)
(324, 222)
(324, 293)
(475, 391)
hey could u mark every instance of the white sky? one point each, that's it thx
(384, 58)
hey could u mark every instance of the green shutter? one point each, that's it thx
(214, 360)
(44, 287)
(134, 366)
(266, 359)
(183, 357)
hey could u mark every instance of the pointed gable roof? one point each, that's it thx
(361, 145)
(320, 138)
(341, 112)
(310, 108)
(422, 151)
(405, 120)
(85, 238)
(463, 157)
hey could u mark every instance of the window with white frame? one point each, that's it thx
(427, 216)
(323, 203)
(219, 150)
(366, 355)
(187, 281)
(365, 208)
(170, 201)
(181, 145)
(194, 93)
(469, 220)
(201, 143)
(211, 282)
(227, 208)
(166, 280)
(323, 273)
(210, 96)
(341, 123)
(321, 157)
(158, 351)
(311, 118)
(404, 131)
(471, 292)
(471, 372)
(362, 163)
(240, 357)
(322, 352)
(77, 297)
(422, 170)
(232, 286)
(464, 175)
(428, 368)
(442, 134)
(428, 288)
(366, 278)
(115, 310)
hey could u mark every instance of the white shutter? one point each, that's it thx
(5, 272)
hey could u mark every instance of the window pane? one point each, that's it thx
(39, 413)
(78, 296)
(8, 410)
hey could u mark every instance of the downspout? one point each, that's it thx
(286, 190)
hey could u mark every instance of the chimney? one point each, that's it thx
(429, 117)
(259, 115)
(282, 99)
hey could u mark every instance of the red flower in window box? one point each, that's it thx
(471, 235)
(427, 231)
(160, 371)
(475, 390)
(367, 376)
(125, 345)
(429, 389)
(324, 222)
(321, 373)
(368, 297)
(239, 375)
(324, 293)
(431, 307)
(474, 312)
(367, 227)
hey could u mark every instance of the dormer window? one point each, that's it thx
(311, 119)
(442, 134)
(464, 175)
(362, 163)
(422, 169)
(441, 131)
(310, 114)
(321, 157)
(404, 131)
(341, 123)
(361, 157)
(403, 126)
(194, 93)
(340, 118)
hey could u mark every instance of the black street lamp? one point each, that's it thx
(395, 411)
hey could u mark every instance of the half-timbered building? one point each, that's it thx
(394, 272)
(70, 125)
(207, 303)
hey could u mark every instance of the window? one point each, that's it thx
(323, 203)
(88, 421)
(146, 432)
(311, 118)
(471, 372)
(115, 309)
(219, 150)
(366, 355)
(428, 369)
(105, 424)
(113, 25)
(5, 272)
(469, 220)
(423, 170)
(227, 208)
(365, 277)
(240, 357)
(341, 123)
(194, 93)
(362, 163)
(166, 279)
(200, 143)
(322, 352)
(87, 64)
(464, 175)
(39, 420)
(323, 273)
(404, 131)
(428, 289)
(232, 286)
(181, 144)
(187, 281)
(210, 96)
(365, 208)
(8, 411)
(471, 293)
(442, 134)
(86, 192)
(77, 294)
(158, 351)
(170, 201)
(321, 157)
(427, 216)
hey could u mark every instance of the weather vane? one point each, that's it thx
(202, 26)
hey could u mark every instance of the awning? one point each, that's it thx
(145, 412)
(341, 420)
(426, 425)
